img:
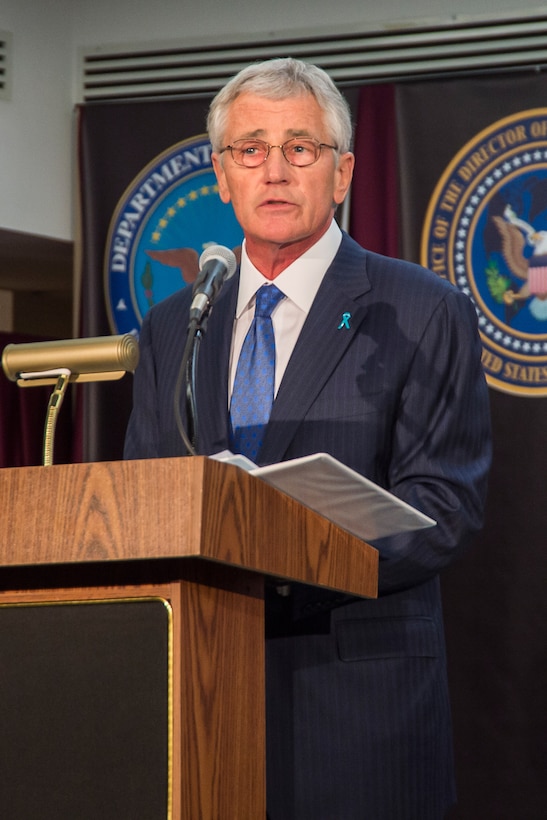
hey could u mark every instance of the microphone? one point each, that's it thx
(216, 265)
(101, 358)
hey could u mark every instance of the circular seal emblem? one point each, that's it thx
(167, 216)
(486, 231)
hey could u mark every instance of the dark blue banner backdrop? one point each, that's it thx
(450, 173)
(149, 207)
(473, 204)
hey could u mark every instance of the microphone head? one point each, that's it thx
(221, 253)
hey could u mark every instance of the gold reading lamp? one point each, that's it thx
(103, 358)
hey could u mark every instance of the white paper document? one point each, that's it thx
(340, 494)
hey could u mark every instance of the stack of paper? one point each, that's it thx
(340, 494)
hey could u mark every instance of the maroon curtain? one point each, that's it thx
(374, 203)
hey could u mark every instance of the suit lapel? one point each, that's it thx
(336, 314)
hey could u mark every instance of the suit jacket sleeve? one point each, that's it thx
(152, 431)
(440, 446)
(424, 430)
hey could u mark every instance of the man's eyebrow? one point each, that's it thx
(290, 133)
(249, 135)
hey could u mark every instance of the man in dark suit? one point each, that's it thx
(378, 363)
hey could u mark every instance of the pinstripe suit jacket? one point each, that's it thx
(358, 711)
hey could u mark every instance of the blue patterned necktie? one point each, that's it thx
(253, 392)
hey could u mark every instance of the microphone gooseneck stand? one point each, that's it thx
(187, 376)
(216, 264)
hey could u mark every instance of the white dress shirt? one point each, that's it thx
(299, 282)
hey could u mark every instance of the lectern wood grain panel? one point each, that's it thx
(201, 536)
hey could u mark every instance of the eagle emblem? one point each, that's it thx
(516, 236)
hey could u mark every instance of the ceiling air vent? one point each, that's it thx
(350, 57)
(6, 41)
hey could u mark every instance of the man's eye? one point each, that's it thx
(301, 148)
(251, 148)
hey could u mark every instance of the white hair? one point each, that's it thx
(277, 80)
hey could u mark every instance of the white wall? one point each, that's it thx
(35, 125)
(117, 21)
(36, 131)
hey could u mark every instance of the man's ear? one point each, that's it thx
(223, 189)
(343, 176)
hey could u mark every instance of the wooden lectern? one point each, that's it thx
(132, 634)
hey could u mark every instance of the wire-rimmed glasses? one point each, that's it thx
(299, 151)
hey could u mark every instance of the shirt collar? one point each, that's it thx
(300, 281)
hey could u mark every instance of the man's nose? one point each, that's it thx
(276, 165)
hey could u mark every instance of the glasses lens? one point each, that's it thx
(301, 151)
(249, 152)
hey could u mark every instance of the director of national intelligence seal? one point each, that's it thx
(165, 219)
(486, 231)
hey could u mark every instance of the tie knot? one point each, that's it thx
(267, 297)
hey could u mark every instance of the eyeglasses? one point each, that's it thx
(299, 151)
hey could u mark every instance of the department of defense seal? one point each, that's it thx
(168, 215)
(486, 231)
